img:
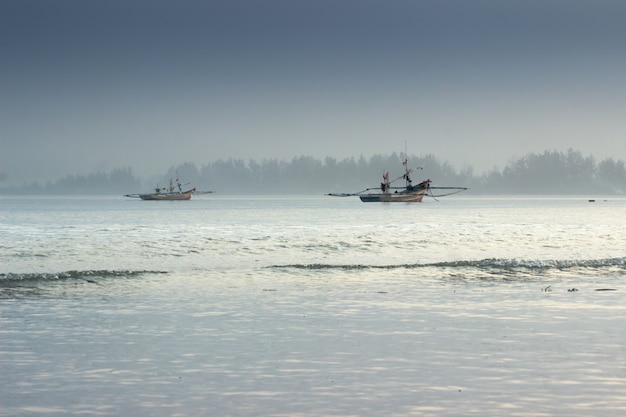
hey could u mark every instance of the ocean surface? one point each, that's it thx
(312, 306)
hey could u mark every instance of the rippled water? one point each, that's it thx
(248, 306)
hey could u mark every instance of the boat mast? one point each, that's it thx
(407, 171)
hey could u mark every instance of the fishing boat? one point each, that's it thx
(409, 193)
(171, 193)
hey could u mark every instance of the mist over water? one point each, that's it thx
(308, 305)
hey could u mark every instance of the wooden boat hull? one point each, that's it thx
(398, 197)
(186, 195)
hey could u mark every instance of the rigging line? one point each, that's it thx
(444, 195)
(403, 176)
(431, 195)
(350, 194)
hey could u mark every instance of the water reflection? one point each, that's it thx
(378, 344)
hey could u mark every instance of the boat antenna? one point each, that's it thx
(180, 188)
(406, 167)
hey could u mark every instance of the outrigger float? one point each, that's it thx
(408, 193)
(169, 193)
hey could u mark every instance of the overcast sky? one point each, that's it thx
(88, 86)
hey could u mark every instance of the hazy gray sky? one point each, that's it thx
(94, 85)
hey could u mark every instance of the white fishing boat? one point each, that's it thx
(408, 193)
(171, 193)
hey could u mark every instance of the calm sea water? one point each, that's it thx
(312, 306)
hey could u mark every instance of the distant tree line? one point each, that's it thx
(550, 172)
(553, 172)
(117, 181)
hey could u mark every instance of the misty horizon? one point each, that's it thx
(92, 86)
(166, 171)
(550, 172)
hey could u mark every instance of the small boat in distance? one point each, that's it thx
(171, 193)
(408, 193)
(389, 193)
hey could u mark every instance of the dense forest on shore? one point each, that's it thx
(550, 172)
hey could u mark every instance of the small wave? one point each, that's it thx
(536, 264)
(486, 264)
(90, 276)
